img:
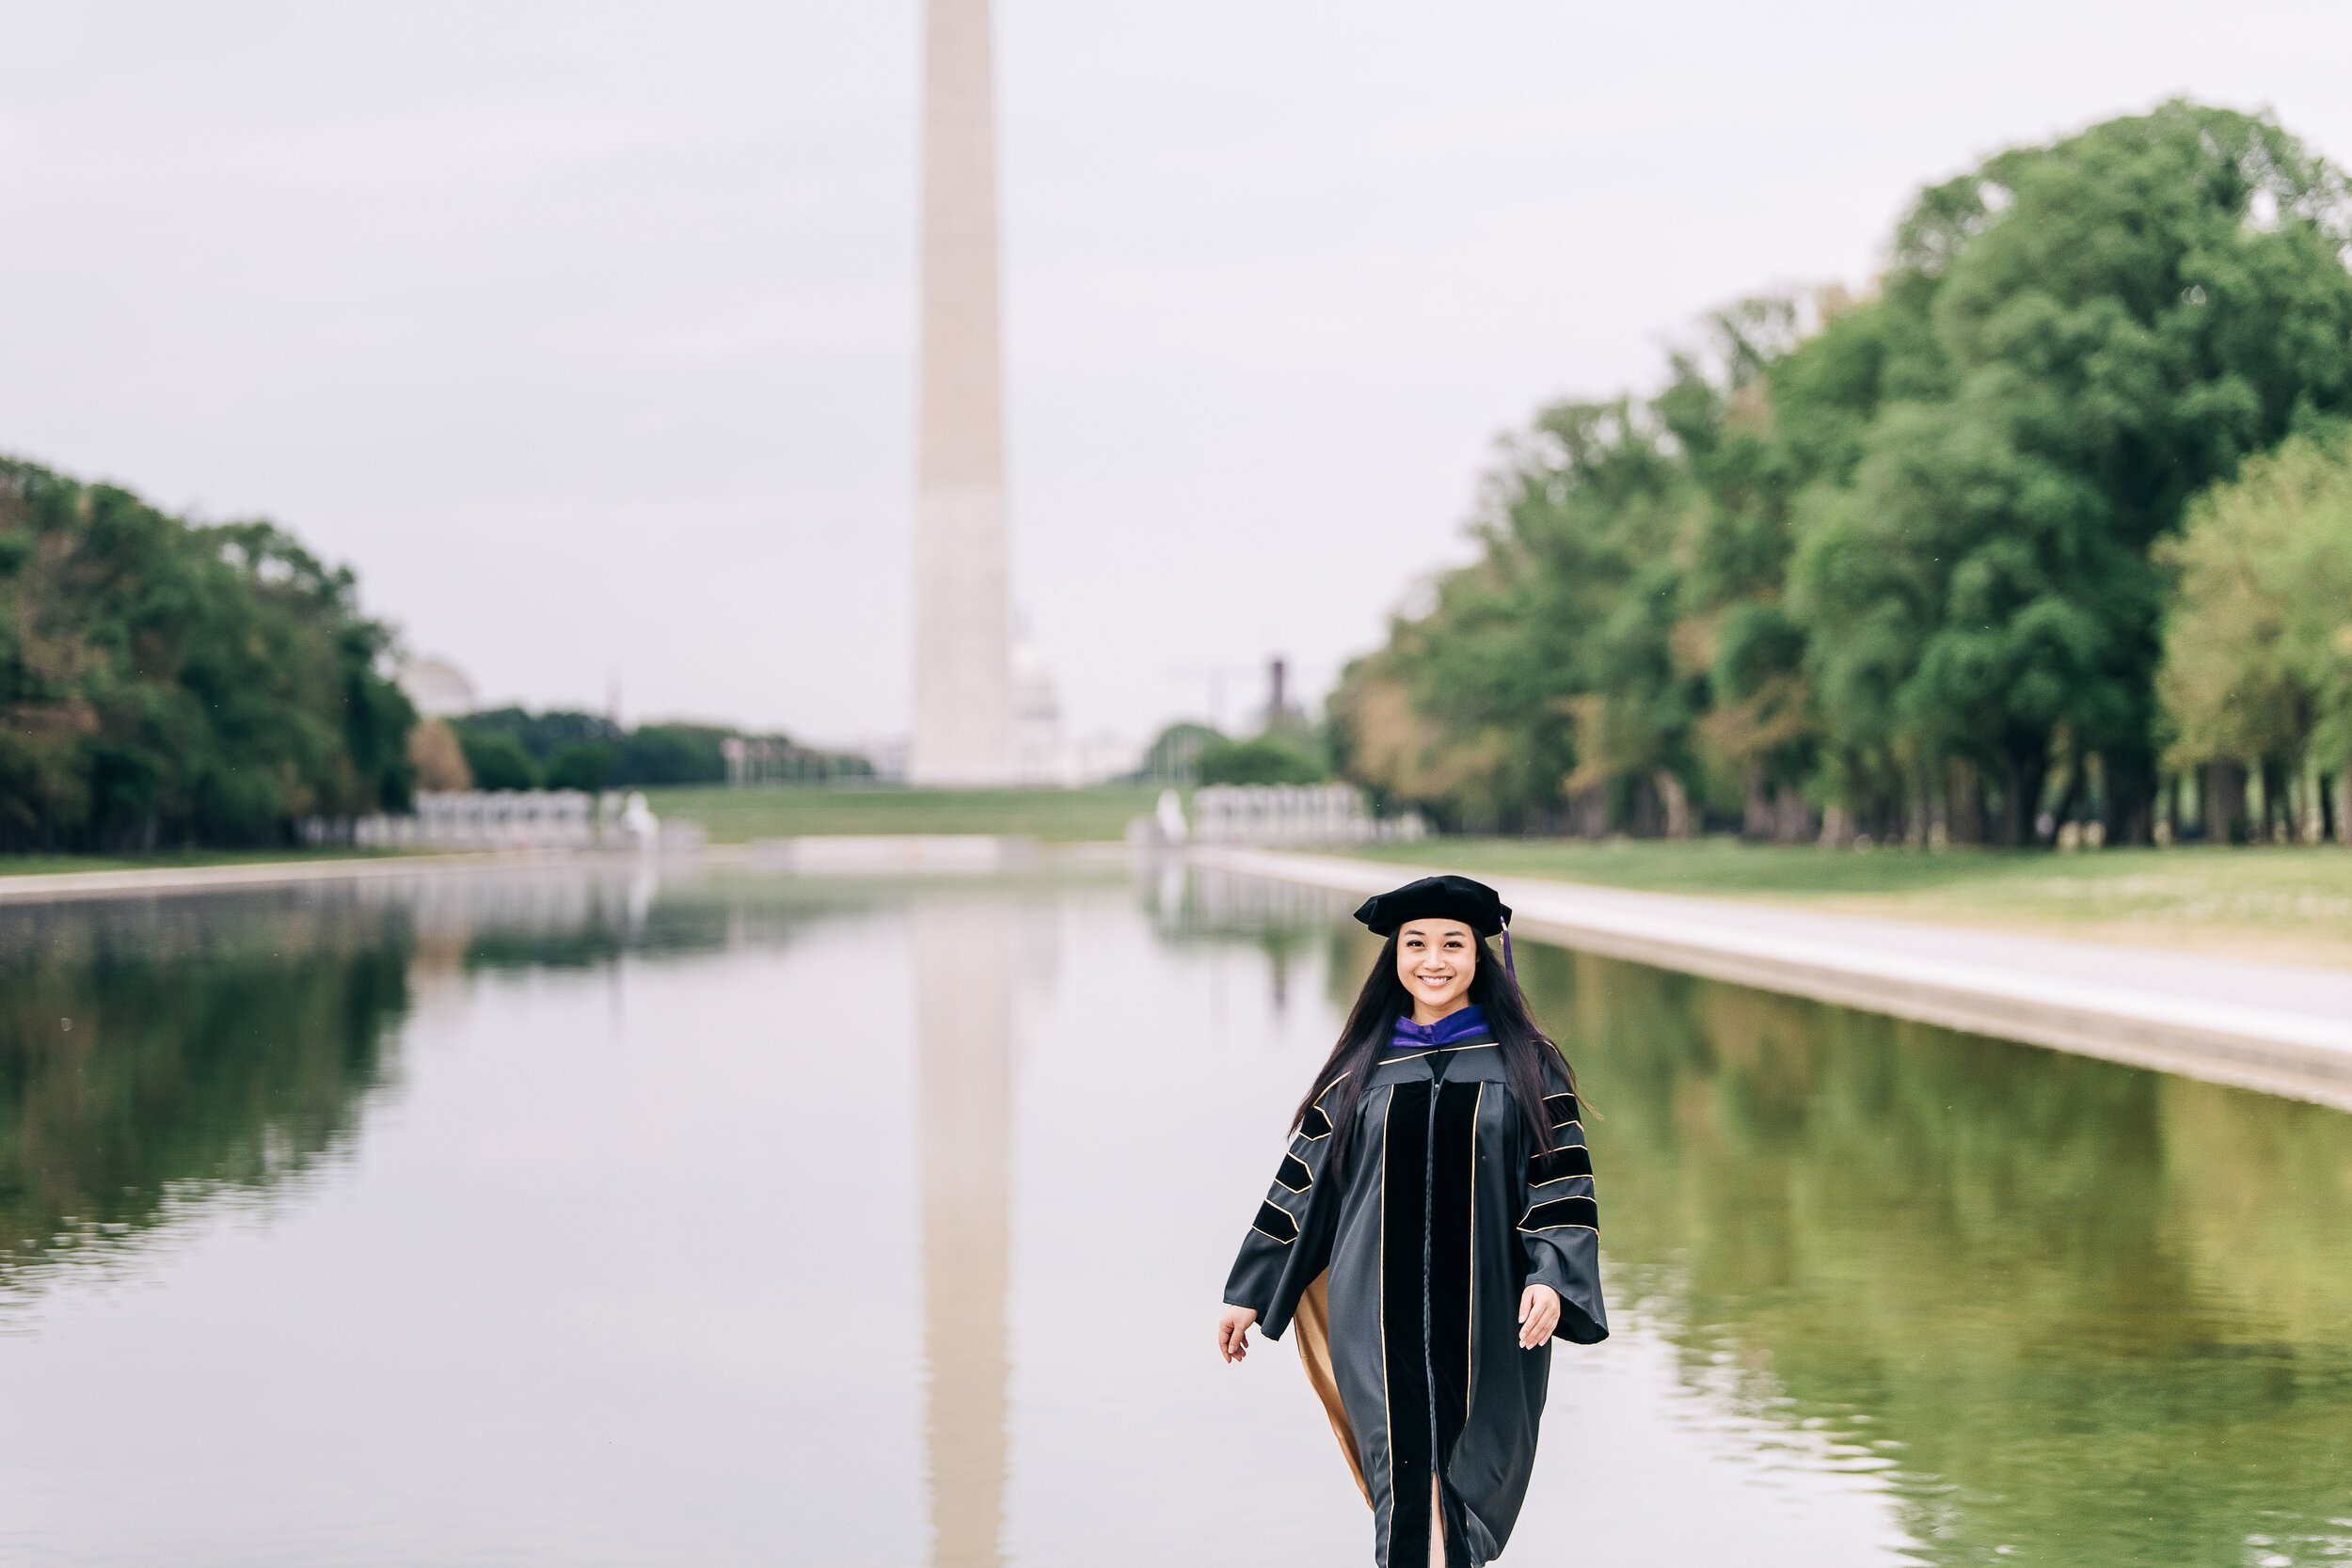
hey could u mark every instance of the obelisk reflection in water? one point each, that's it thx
(963, 954)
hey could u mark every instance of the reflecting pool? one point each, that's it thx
(571, 1217)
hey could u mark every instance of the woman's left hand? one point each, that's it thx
(1539, 1314)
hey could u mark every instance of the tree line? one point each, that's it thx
(167, 682)
(510, 748)
(2049, 531)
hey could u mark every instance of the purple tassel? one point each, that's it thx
(1508, 967)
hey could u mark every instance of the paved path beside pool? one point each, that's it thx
(2280, 1028)
(36, 886)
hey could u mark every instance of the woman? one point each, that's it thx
(1431, 1229)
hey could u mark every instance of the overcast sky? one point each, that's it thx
(585, 332)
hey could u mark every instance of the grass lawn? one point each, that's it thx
(791, 810)
(2287, 904)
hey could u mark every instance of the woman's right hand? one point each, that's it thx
(1233, 1331)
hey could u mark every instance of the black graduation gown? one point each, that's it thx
(1404, 1274)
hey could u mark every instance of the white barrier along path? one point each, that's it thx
(2278, 1028)
(1292, 814)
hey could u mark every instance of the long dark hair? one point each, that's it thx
(1493, 989)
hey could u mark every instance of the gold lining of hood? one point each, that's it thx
(1313, 1321)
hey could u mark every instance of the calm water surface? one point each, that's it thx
(568, 1217)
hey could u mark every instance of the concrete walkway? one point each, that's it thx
(2274, 1027)
(37, 886)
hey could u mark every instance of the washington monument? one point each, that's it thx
(963, 654)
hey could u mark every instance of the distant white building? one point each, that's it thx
(1036, 717)
(1287, 814)
(439, 688)
(1042, 752)
(1098, 759)
(1044, 755)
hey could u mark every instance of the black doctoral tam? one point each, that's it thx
(1447, 897)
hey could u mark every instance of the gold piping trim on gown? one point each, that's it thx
(1313, 1321)
(1439, 1050)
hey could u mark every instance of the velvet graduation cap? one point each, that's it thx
(1447, 897)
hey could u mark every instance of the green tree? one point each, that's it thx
(1174, 754)
(1262, 759)
(1892, 560)
(1545, 666)
(2258, 647)
(2079, 339)
(1778, 399)
(169, 682)
(673, 754)
(588, 764)
(496, 761)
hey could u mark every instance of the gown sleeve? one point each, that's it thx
(1560, 1220)
(1288, 1241)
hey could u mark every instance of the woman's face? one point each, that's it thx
(1435, 959)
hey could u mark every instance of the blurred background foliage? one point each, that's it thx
(1904, 567)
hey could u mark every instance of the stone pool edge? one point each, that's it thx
(129, 881)
(851, 855)
(2294, 1052)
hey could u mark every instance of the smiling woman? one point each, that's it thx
(1431, 1229)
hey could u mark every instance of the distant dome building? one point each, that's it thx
(1043, 753)
(1036, 717)
(439, 688)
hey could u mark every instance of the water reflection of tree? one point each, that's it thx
(1280, 919)
(153, 1050)
(146, 1050)
(2093, 1315)
(1283, 921)
(579, 918)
